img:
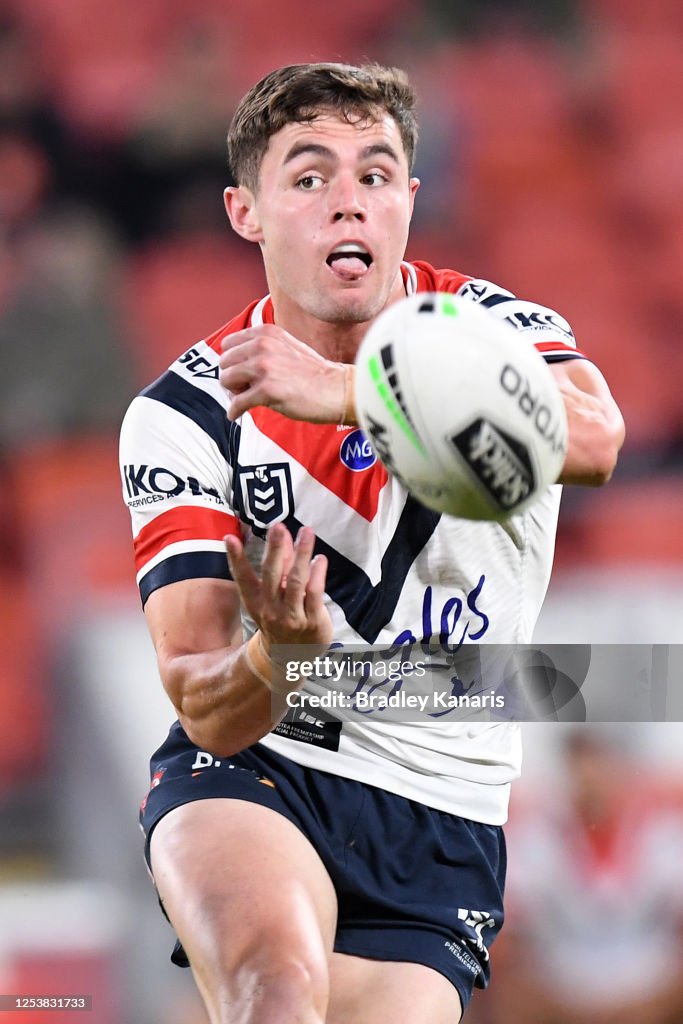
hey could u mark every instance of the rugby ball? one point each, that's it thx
(459, 407)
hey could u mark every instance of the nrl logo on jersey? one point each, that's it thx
(265, 493)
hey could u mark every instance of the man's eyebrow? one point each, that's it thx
(380, 149)
(316, 149)
(308, 147)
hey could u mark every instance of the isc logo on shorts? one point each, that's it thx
(355, 451)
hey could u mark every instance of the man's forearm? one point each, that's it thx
(222, 704)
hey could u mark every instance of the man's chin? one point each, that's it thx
(348, 316)
(352, 309)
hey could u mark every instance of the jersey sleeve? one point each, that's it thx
(545, 329)
(175, 456)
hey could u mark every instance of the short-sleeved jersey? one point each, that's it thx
(397, 570)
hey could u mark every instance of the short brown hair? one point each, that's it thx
(300, 92)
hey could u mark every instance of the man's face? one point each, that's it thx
(332, 214)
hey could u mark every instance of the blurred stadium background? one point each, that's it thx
(552, 162)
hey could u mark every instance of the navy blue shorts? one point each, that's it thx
(413, 883)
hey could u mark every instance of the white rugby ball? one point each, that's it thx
(459, 408)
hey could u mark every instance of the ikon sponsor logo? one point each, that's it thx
(146, 484)
(356, 452)
(539, 320)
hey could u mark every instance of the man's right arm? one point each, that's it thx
(196, 631)
(221, 702)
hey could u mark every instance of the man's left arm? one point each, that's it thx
(267, 366)
(596, 426)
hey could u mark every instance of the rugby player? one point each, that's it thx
(325, 870)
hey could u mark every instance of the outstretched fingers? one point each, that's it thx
(288, 600)
(294, 590)
(314, 599)
(277, 561)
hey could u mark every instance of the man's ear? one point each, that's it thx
(414, 185)
(241, 209)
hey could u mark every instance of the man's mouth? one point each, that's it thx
(349, 261)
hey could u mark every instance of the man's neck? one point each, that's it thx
(336, 341)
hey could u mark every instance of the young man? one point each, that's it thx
(346, 872)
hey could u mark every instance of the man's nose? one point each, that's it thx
(347, 200)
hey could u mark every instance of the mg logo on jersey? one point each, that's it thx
(266, 493)
(477, 920)
(355, 451)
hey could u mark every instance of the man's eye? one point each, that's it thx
(374, 178)
(310, 182)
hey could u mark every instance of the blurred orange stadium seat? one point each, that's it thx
(24, 690)
(636, 526)
(629, 351)
(636, 15)
(75, 527)
(648, 177)
(556, 250)
(96, 59)
(269, 34)
(516, 104)
(181, 290)
(99, 59)
(643, 77)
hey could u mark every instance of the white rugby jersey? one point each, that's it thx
(398, 572)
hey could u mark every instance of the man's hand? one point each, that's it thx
(287, 601)
(596, 427)
(267, 366)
